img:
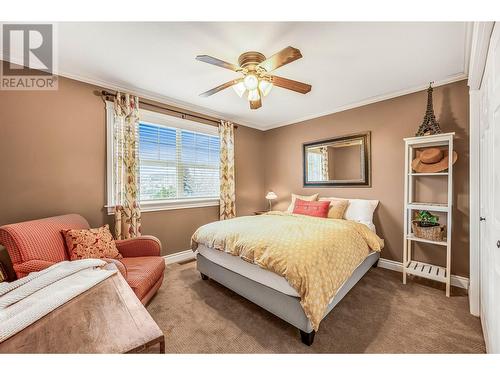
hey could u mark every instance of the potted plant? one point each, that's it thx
(426, 225)
(426, 219)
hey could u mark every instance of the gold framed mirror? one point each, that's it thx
(339, 161)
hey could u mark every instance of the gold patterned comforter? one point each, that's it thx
(315, 255)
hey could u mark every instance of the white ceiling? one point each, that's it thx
(347, 64)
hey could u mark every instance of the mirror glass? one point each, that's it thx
(337, 161)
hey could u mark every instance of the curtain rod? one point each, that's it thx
(182, 114)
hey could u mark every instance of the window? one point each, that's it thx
(178, 162)
(314, 166)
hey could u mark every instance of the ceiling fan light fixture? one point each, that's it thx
(265, 87)
(253, 95)
(240, 89)
(256, 78)
(251, 82)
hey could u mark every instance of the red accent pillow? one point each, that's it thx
(317, 209)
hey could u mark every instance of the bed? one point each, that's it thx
(238, 254)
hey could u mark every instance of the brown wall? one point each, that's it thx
(389, 121)
(53, 161)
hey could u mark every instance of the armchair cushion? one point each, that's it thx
(143, 273)
(142, 246)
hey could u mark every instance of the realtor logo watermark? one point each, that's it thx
(28, 52)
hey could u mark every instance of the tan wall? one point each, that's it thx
(389, 121)
(53, 161)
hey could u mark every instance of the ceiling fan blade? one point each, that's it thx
(283, 57)
(221, 87)
(255, 104)
(217, 62)
(290, 84)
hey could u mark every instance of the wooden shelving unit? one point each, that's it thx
(411, 266)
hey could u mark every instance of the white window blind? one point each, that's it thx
(314, 166)
(177, 164)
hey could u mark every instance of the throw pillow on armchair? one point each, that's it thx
(91, 243)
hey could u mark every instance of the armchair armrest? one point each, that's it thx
(142, 246)
(35, 265)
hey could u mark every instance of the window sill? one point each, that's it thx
(179, 204)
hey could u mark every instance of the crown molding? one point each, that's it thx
(145, 94)
(469, 27)
(468, 42)
(189, 107)
(374, 99)
(480, 41)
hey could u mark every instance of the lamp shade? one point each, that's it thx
(240, 89)
(271, 195)
(253, 95)
(265, 87)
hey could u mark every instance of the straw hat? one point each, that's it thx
(432, 160)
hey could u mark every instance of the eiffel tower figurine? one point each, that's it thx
(429, 126)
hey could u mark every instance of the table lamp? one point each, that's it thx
(270, 196)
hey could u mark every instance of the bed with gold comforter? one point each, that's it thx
(315, 255)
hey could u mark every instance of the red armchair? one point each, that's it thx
(37, 244)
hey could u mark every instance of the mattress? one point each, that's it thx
(250, 270)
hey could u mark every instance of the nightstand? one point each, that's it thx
(260, 212)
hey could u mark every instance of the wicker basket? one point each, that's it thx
(435, 233)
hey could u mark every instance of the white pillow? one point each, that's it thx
(359, 210)
(309, 198)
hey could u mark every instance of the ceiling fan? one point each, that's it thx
(256, 69)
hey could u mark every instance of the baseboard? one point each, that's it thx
(458, 281)
(181, 256)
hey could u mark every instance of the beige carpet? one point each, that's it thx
(379, 315)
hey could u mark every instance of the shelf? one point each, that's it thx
(429, 174)
(412, 237)
(428, 271)
(430, 140)
(440, 207)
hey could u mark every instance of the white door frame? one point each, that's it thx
(481, 34)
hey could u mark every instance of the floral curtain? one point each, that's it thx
(324, 163)
(227, 184)
(126, 176)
